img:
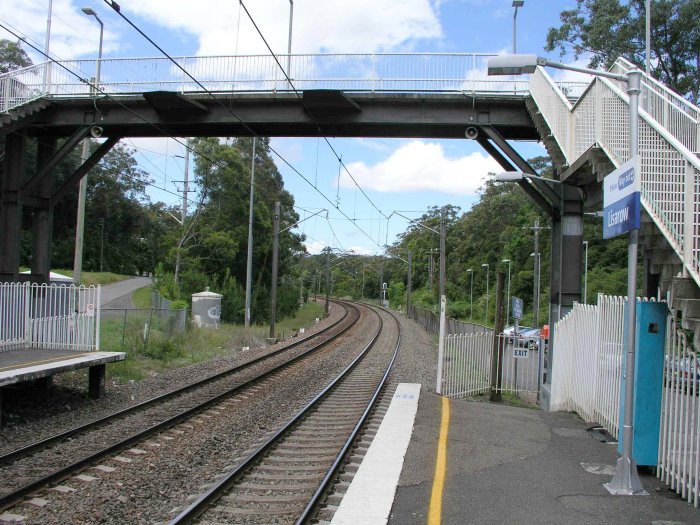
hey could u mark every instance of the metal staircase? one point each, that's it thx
(596, 126)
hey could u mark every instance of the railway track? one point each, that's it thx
(51, 460)
(288, 477)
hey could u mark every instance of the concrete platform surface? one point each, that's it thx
(516, 465)
(32, 363)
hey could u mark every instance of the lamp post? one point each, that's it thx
(470, 271)
(508, 293)
(585, 272)
(516, 4)
(82, 188)
(626, 479)
(486, 316)
(289, 40)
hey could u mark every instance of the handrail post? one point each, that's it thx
(688, 217)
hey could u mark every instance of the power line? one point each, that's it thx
(301, 99)
(218, 101)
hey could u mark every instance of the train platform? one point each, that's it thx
(504, 464)
(31, 364)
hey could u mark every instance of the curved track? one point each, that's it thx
(288, 477)
(151, 417)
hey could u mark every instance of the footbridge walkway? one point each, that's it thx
(584, 127)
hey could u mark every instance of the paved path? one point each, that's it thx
(111, 293)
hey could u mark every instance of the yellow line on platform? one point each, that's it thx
(435, 512)
(41, 361)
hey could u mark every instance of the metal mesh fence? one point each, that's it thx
(431, 322)
(135, 328)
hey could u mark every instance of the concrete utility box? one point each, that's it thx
(206, 309)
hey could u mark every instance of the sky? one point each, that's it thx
(407, 176)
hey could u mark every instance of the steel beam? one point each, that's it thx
(47, 168)
(537, 197)
(78, 174)
(427, 115)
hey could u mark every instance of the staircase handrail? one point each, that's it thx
(670, 169)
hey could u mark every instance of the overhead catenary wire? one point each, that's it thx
(241, 121)
(301, 99)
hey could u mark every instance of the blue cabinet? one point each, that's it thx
(648, 381)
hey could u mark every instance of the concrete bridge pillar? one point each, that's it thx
(11, 208)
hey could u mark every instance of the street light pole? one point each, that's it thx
(249, 259)
(516, 4)
(289, 41)
(486, 316)
(82, 187)
(626, 479)
(508, 299)
(470, 271)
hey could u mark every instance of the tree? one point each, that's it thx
(12, 56)
(603, 30)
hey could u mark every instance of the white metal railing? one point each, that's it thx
(49, 316)
(468, 359)
(668, 145)
(679, 442)
(587, 371)
(392, 72)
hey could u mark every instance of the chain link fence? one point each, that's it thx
(136, 328)
(431, 322)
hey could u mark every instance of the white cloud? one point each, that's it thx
(335, 26)
(423, 166)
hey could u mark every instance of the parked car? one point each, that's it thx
(529, 338)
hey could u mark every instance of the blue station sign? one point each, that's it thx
(621, 199)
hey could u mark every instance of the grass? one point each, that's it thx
(94, 278)
(142, 297)
(163, 352)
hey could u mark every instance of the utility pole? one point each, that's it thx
(443, 233)
(408, 285)
(381, 283)
(275, 262)
(497, 349)
(328, 277)
(249, 265)
(102, 241)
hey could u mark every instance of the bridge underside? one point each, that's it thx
(496, 118)
(329, 113)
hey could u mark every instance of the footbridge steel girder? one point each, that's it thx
(438, 115)
(38, 192)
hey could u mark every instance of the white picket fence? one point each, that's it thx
(679, 442)
(587, 368)
(467, 361)
(587, 377)
(49, 316)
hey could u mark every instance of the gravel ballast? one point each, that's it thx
(135, 486)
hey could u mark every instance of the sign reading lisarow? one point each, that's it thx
(621, 199)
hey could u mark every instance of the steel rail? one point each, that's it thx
(318, 497)
(12, 498)
(22, 452)
(200, 506)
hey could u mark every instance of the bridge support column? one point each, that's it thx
(565, 269)
(11, 209)
(42, 223)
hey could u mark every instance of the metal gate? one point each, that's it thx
(467, 368)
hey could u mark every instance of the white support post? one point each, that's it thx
(98, 308)
(441, 344)
(688, 217)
